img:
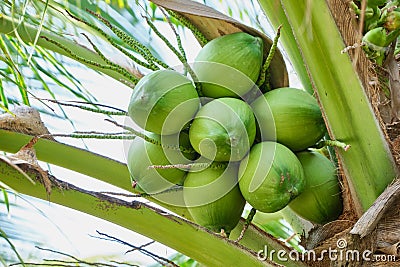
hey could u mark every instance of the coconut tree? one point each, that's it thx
(322, 40)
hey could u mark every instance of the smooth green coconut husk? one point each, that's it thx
(163, 102)
(223, 130)
(293, 119)
(270, 177)
(143, 154)
(321, 200)
(213, 24)
(228, 66)
(213, 197)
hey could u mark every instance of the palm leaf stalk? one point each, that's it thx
(116, 174)
(368, 165)
(208, 248)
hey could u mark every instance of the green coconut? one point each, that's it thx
(289, 116)
(228, 66)
(270, 177)
(143, 154)
(223, 130)
(213, 198)
(163, 102)
(321, 200)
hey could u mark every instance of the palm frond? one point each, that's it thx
(32, 68)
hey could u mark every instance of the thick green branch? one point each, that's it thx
(117, 174)
(180, 234)
(368, 165)
(88, 163)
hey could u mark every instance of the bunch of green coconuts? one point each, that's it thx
(381, 26)
(234, 144)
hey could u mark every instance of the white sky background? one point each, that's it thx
(69, 231)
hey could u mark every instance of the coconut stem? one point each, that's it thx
(94, 110)
(176, 166)
(264, 71)
(152, 140)
(122, 136)
(334, 143)
(150, 66)
(175, 188)
(118, 69)
(212, 165)
(180, 56)
(94, 135)
(247, 223)
(134, 44)
(178, 37)
(132, 134)
(183, 53)
(188, 24)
